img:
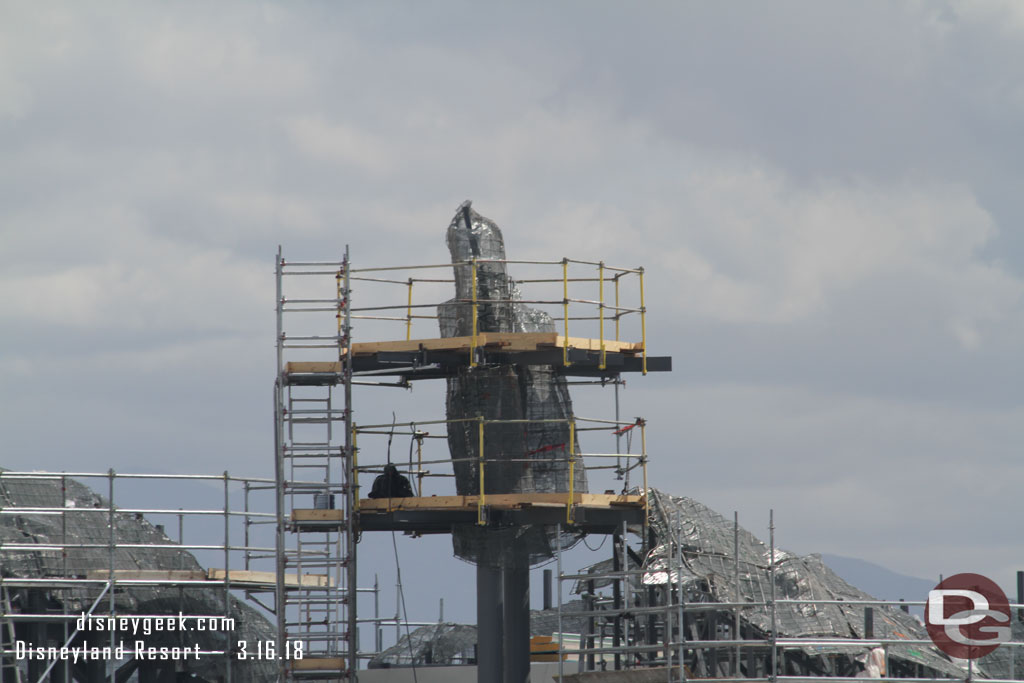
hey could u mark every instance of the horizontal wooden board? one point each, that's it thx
(317, 367)
(507, 500)
(147, 575)
(242, 576)
(238, 576)
(503, 341)
(508, 342)
(317, 515)
(308, 663)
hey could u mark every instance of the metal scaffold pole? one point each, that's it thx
(351, 488)
(279, 473)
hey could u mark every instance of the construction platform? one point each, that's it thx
(585, 512)
(236, 578)
(441, 357)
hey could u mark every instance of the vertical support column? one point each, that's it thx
(590, 606)
(408, 315)
(476, 320)
(565, 310)
(558, 592)
(227, 573)
(771, 571)
(280, 605)
(351, 594)
(516, 624)
(489, 624)
(111, 557)
(600, 312)
(643, 322)
(739, 597)
(617, 600)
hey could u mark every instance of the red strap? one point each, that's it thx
(545, 449)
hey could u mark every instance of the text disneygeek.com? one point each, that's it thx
(126, 626)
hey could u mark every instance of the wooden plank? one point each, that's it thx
(499, 500)
(610, 345)
(238, 576)
(504, 341)
(425, 503)
(308, 663)
(312, 367)
(147, 575)
(242, 576)
(317, 515)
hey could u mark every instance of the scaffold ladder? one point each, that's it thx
(314, 474)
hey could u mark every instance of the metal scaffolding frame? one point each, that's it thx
(314, 464)
(318, 477)
(657, 632)
(104, 575)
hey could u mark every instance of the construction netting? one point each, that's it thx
(528, 457)
(75, 542)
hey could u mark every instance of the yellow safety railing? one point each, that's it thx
(480, 498)
(572, 307)
(574, 458)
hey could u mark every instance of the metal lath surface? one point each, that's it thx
(503, 392)
(706, 569)
(314, 470)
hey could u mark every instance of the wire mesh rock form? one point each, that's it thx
(442, 643)
(695, 550)
(84, 522)
(521, 458)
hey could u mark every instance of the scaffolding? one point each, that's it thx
(704, 599)
(321, 512)
(74, 559)
(665, 606)
(314, 470)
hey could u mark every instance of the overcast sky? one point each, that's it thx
(827, 198)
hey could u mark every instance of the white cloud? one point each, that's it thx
(342, 144)
(765, 250)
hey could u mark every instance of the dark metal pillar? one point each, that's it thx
(516, 623)
(489, 613)
(547, 588)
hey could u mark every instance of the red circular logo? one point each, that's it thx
(967, 616)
